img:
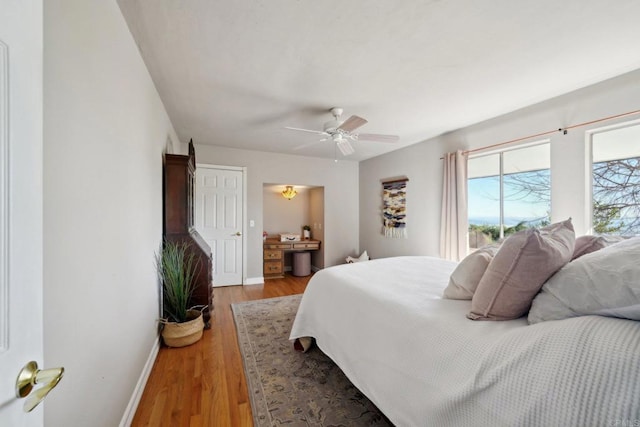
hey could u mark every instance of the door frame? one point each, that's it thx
(243, 221)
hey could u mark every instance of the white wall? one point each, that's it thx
(569, 163)
(420, 163)
(104, 132)
(340, 182)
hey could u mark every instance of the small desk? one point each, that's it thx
(273, 254)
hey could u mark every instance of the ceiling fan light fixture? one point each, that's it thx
(289, 193)
(344, 146)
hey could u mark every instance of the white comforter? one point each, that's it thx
(423, 363)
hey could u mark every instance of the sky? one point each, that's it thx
(484, 204)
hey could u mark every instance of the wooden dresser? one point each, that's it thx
(273, 254)
(178, 225)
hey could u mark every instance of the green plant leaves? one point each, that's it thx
(176, 266)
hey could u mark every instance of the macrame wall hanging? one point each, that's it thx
(394, 208)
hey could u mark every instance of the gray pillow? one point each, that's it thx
(587, 244)
(524, 262)
(605, 283)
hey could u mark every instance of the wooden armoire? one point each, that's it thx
(178, 222)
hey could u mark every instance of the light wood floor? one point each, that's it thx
(204, 384)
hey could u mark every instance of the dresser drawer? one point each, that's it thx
(277, 246)
(272, 267)
(306, 246)
(272, 254)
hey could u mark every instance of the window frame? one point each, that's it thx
(589, 134)
(501, 152)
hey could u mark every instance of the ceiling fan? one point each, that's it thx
(341, 133)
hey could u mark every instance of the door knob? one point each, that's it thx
(29, 376)
(238, 234)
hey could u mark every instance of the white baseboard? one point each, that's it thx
(254, 281)
(130, 412)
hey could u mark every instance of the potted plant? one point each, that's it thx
(306, 231)
(176, 266)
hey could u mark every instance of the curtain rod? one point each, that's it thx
(563, 130)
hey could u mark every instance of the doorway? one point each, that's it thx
(288, 216)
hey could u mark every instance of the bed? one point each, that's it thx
(422, 362)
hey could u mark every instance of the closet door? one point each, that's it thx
(219, 220)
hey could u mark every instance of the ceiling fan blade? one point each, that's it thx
(352, 123)
(319, 132)
(308, 144)
(377, 137)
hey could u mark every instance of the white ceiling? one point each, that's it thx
(235, 73)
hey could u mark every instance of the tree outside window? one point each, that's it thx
(616, 181)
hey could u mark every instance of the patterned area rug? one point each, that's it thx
(290, 388)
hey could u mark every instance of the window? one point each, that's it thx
(508, 191)
(616, 181)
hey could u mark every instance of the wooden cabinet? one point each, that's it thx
(273, 255)
(178, 224)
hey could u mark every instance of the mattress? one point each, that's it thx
(422, 362)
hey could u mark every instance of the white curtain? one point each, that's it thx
(454, 223)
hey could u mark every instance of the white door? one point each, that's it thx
(219, 219)
(21, 147)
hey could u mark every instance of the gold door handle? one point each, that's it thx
(238, 234)
(29, 376)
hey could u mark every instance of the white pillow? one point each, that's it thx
(465, 278)
(363, 257)
(605, 283)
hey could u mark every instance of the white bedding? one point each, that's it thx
(423, 363)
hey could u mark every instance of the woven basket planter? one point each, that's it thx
(185, 333)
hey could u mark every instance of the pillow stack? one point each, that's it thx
(516, 272)
(551, 275)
